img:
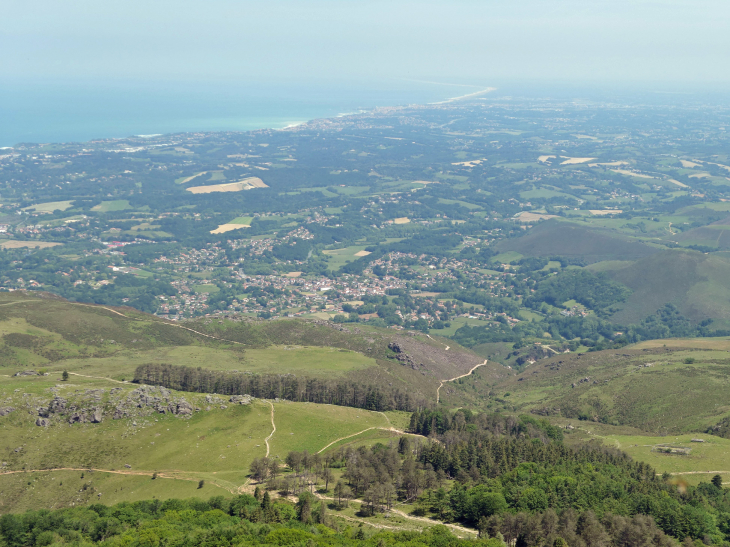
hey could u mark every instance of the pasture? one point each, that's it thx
(49, 207)
(111, 206)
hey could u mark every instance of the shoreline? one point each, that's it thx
(271, 125)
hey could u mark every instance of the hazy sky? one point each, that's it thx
(479, 41)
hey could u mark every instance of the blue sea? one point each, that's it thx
(52, 111)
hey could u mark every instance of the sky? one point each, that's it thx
(478, 42)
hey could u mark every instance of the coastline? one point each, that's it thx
(83, 115)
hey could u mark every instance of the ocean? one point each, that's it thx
(45, 112)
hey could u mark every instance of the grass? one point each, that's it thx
(49, 207)
(242, 220)
(656, 390)
(696, 283)
(702, 462)
(305, 360)
(305, 426)
(216, 445)
(336, 258)
(206, 288)
(115, 205)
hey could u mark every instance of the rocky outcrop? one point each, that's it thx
(156, 398)
(57, 405)
(43, 422)
(240, 399)
(184, 408)
(7, 410)
(402, 357)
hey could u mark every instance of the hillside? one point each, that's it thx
(46, 332)
(558, 238)
(682, 387)
(698, 284)
(112, 437)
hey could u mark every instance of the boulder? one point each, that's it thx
(77, 418)
(43, 422)
(184, 408)
(7, 410)
(240, 399)
(96, 416)
(58, 404)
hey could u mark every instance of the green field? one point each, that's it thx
(206, 288)
(49, 206)
(242, 220)
(109, 206)
(336, 258)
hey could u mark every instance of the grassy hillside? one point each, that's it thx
(37, 331)
(558, 238)
(698, 284)
(215, 443)
(657, 390)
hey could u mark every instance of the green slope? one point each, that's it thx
(698, 284)
(558, 238)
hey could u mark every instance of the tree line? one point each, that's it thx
(338, 391)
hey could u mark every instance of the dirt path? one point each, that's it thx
(266, 440)
(445, 349)
(438, 389)
(698, 472)
(97, 378)
(409, 517)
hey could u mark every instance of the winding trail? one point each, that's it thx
(409, 517)
(266, 440)
(393, 429)
(438, 389)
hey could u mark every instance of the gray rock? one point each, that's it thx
(240, 399)
(184, 408)
(26, 373)
(7, 410)
(43, 422)
(58, 404)
(96, 416)
(77, 418)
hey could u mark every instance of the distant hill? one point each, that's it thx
(698, 284)
(713, 236)
(654, 388)
(558, 238)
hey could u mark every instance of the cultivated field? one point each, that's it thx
(15, 244)
(574, 161)
(246, 184)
